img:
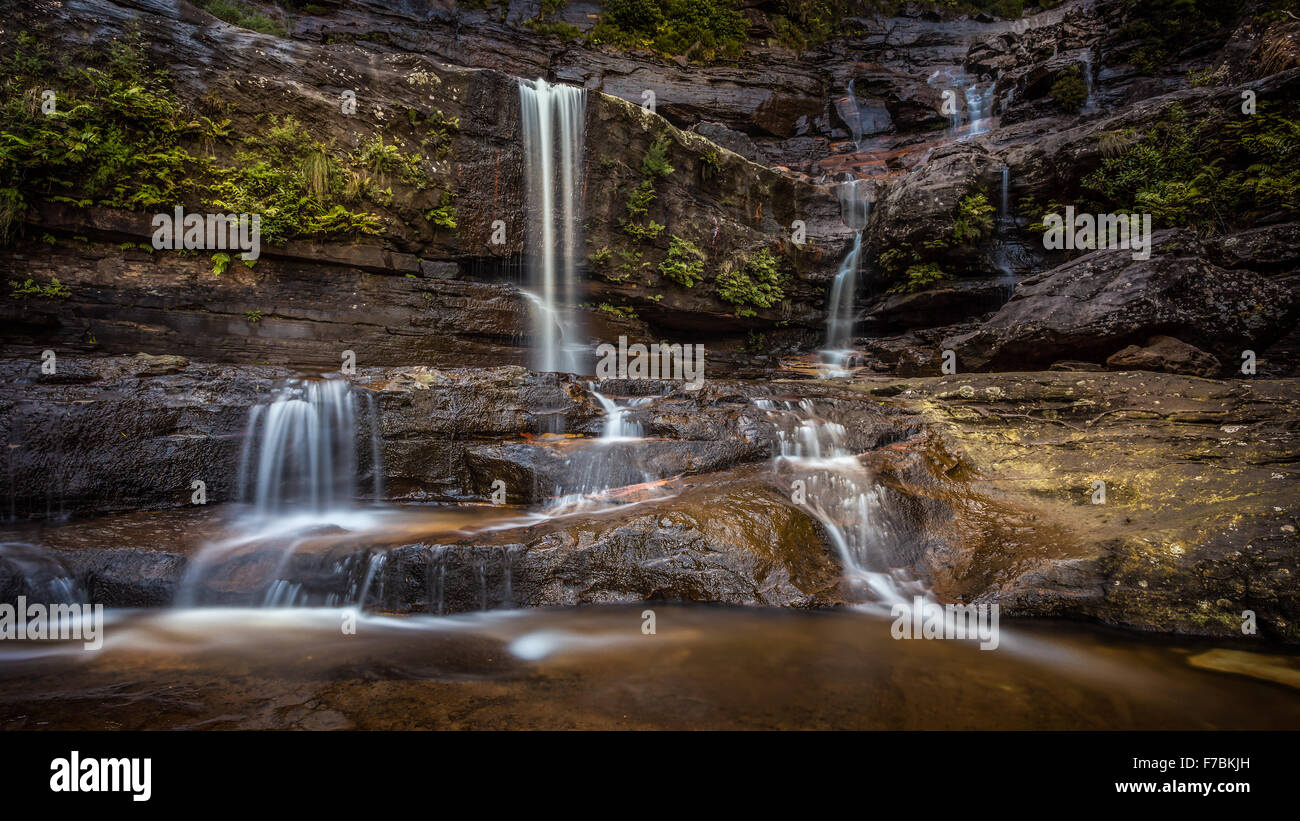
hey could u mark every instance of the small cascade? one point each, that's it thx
(618, 425)
(303, 445)
(553, 125)
(298, 470)
(613, 460)
(864, 119)
(832, 485)
(855, 197)
(974, 116)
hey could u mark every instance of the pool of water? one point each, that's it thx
(599, 668)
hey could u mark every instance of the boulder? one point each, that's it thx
(1167, 354)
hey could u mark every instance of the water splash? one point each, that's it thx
(552, 120)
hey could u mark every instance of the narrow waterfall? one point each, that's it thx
(974, 114)
(552, 119)
(1090, 103)
(1004, 209)
(618, 425)
(813, 457)
(1002, 252)
(855, 210)
(613, 460)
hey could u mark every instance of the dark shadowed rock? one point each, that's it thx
(1105, 300)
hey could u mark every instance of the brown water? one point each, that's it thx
(704, 667)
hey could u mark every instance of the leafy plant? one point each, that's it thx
(758, 282)
(29, 288)
(1069, 91)
(974, 219)
(684, 263)
(918, 278)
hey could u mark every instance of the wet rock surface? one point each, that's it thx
(1198, 519)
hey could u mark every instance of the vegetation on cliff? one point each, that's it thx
(113, 133)
(1219, 172)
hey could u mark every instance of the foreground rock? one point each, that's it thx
(1198, 521)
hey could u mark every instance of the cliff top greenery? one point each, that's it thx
(120, 137)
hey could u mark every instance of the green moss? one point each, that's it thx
(703, 30)
(122, 139)
(684, 263)
(758, 282)
(621, 311)
(254, 316)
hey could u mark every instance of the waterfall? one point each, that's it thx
(617, 426)
(855, 211)
(615, 459)
(842, 495)
(1002, 253)
(975, 116)
(298, 470)
(304, 447)
(1089, 104)
(1004, 210)
(552, 119)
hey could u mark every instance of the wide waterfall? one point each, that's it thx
(299, 473)
(552, 119)
(855, 210)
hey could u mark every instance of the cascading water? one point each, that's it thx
(1089, 103)
(553, 119)
(855, 211)
(304, 447)
(298, 472)
(1003, 251)
(972, 118)
(613, 460)
(841, 494)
